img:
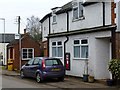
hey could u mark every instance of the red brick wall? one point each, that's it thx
(45, 48)
(25, 43)
(118, 45)
(113, 6)
(16, 64)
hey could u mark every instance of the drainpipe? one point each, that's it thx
(103, 13)
(113, 40)
(65, 48)
(49, 25)
(48, 37)
(66, 36)
(67, 21)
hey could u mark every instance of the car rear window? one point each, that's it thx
(52, 62)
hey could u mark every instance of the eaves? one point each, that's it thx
(83, 31)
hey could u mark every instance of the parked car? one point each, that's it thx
(42, 68)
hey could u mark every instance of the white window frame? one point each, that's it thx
(74, 18)
(54, 15)
(80, 10)
(54, 21)
(77, 6)
(27, 53)
(57, 46)
(80, 45)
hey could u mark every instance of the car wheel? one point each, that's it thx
(38, 78)
(22, 74)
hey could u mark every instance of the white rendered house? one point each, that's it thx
(84, 31)
(5, 39)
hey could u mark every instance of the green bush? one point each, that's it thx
(114, 68)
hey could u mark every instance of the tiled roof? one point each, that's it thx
(65, 8)
(45, 17)
(16, 41)
(8, 38)
(88, 3)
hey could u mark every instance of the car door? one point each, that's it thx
(35, 67)
(27, 67)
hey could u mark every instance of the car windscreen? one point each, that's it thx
(52, 62)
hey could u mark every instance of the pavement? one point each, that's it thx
(10, 73)
(73, 79)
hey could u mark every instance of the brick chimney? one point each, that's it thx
(113, 6)
(24, 31)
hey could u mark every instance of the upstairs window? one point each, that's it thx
(54, 16)
(77, 10)
(75, 13)
(80, 9)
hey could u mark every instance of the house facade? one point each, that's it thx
(29, 48)
(5, 39)
(81, 31)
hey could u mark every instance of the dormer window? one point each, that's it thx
(77, 10)
(75, 13)
(54, 17)
(80, 9)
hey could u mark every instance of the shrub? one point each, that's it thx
(114, 68)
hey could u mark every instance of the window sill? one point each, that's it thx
(54, 23)
(81, 18)
(58, 57)
(26, 59)
(80, 58)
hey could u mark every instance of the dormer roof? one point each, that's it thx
(65, 8)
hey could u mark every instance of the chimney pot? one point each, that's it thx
(24, 31)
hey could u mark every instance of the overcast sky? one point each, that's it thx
(10, 9)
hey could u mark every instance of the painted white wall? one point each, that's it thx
(107, 13)
(102, 58)
(99, 54)
(93, 15)
(61, 25)
(2, 50)
(45, 29)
